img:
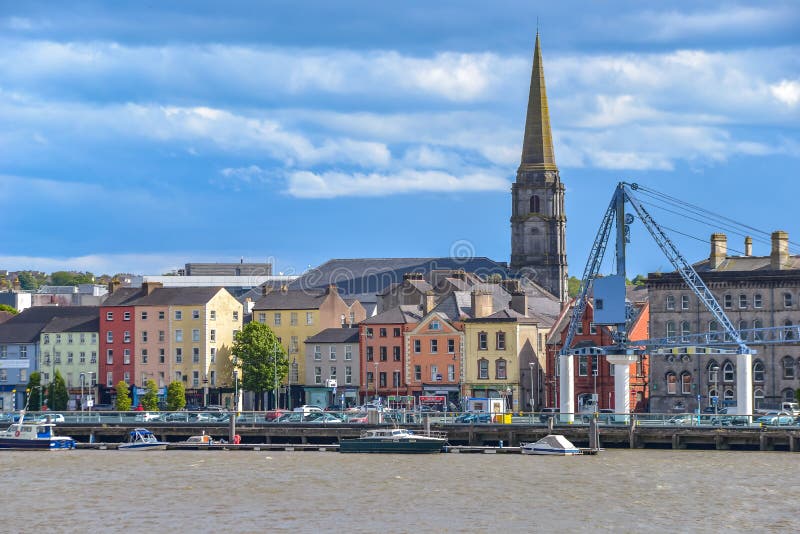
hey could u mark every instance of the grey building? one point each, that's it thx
(228, 269)
(332, 368)
(755, 292)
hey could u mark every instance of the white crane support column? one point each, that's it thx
(622, 381)
(566, 390)
(744, 383)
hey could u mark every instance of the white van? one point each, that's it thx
(307, 409)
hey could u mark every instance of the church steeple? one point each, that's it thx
(538, 220)
(537, 145)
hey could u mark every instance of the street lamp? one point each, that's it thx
(715, 370)
(533, 399)
(83, 378)
(375, 379)
(596, 400)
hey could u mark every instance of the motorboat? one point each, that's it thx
(551, 445)
(202, 439)
(141, 439)
(395, 440)
(33, 435)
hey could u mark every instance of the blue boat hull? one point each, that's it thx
(36, 444)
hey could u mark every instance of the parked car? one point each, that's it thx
(473, 418)
(681, 419)
(54, 418)
(204, 417)
(604, 416)
(358, 418)
(307, 408)
(291, 417)
(729, 420)
(148, 416)
(322, 417)
(548, 413)
(176, 417)
(776, 418)
(271, 415)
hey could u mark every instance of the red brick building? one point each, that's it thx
(586, 367)
(117, 337)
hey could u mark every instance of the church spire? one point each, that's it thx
(537, 146)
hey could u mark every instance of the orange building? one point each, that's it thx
(434, 356)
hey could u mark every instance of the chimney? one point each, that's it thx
(113, 285)
(519, 302)
(149, 287)
(430, 301)
(248, 305)
(332, 288)
(780, 250)
(481, 303)
(748, 246)
(412, 276)
(510, 285)
(719, 250)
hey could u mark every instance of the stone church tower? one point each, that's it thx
(538, 221)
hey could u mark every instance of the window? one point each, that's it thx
(195, 334)
(109, 379)
(757, 300)
(396, 332)
(396, 354)
(742, 301)
(212, 315)
(262, 318)
(396, 379)
(235, 315)
(686, 330)
(434, 346)
(672, 384)
(757, 335)
(758, 371)
(332, 352)
(671, 329)
(713, 329)
(178, 315)
(69, 339)
(669, 302)
(23, 377)
(787, 300)
(382, 379)
(370, 355)
(23, 352)
(196, 378)
(110, 357)
(212, 334)
(501, 340)
(788, 368)
(579, 329)
(788, 330)
(435, 373)
(195, 314)
(178, 336)
(728, 373)
(348, 352)
(583, 366)
(126, 336)
(370, 378)
(57, 357)
(317, 353)
(83, 338)
(684, 302)
(348, 375)
(126, 357)
(483, 368)
(483, 343)
(3, 351)
(309, 318)
(596, 361)
(417, 346)
(3, 375)
(382, 332)
(728, 394)
(195, 355)
(82, 357)
(592, 328)
(213, 355)
(293, 344)
(788, 395)
(126, 316)
(161, 336)
(45, 339)
(451, 373)
(144, 336)
(451, 346)
(144, 355)
(58, 338)
(178, 355)
(500, 369)
(383, 353)
(352, 317)
(109, 316)
(435, 325)
(369, 332)
(742, 328)
(93, 358)
(109, 337)
(277, 319)
(713, 372)
(535, 204)
(727, 301)
(293, 318)
(686, 383)
(161, 315)
(162, 356)
(417, 373)
(69, 357)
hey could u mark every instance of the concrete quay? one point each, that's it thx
(313, 437)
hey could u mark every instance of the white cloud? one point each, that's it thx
(305, 184)
(98, 263)
(787, 91)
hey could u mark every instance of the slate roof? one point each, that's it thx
(178, 296)
(398, 315)
(291, 300)
(335, 335)
(78, 323)
(123, 296)
(746, 263)
(26, 326)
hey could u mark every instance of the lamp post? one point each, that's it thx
(375, 379)
(83, 378)
(205, 390)
(533, 398)
(596, 400)
(715, 370)
(275, 377)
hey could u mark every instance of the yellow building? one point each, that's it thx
(499, 348)
(295, 315)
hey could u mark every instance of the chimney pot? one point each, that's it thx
(780, 250)
(748, 246)
(481, 303)
(719, 250)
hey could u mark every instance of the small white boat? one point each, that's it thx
(202, 439)
(394, 440)
(32, 436)
(141, 439)
(551, 445)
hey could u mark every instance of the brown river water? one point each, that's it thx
(244, 491)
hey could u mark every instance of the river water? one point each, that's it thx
(241, 491)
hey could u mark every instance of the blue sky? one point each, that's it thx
(138, 137)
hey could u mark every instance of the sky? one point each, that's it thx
(138, 136)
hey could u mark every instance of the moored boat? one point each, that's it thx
(141, 439)
(33, 436)
(551, 445)
(394, 440)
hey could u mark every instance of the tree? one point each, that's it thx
(573, 286)
(176, 396)
(27, 281)
(259, 354)
(34, 387)
(57, 394)
(150, 398)
(123, 402)
(66, 278)
(9, 309)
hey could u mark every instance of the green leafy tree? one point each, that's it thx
(34, 386)
(27, 281)
(123, 402)
(150, 398)
(259, 354)
(176, 396)
(57, 394)
(9, 309)
(573, 286)
(66, 278)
